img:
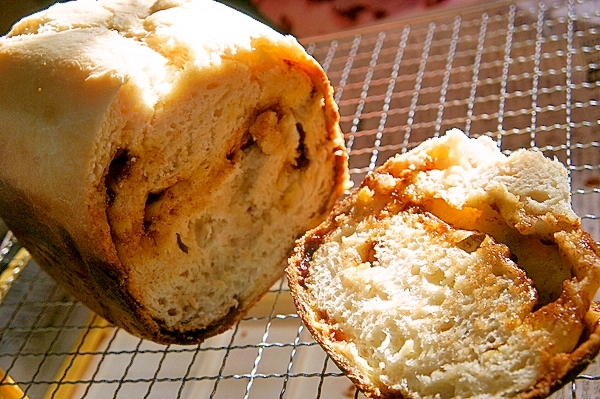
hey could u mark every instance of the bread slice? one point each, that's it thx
(453, 271)
(159, 158)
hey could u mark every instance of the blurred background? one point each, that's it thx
(302, 18)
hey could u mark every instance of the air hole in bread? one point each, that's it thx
(246, 143)
(202, 230)
(368, 252)
(231, 155)
(447, 325)
(117, 170)
(337, 335)
(146, 224)
(302, 158)
(472, 242)
(184, 248)
(436, 277)
(539, 196)
(154, 197)
(151, 200)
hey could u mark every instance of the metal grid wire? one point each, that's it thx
(525, 73)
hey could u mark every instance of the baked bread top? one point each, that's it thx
(159, 158)
(453, 271)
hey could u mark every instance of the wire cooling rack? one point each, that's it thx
(525, 73)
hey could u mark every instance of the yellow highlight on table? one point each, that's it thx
(8, 388)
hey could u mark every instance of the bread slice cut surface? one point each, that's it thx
(453, 271)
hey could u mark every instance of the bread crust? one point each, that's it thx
(393, 189)
(134, 131)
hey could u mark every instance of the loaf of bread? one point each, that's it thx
(453, 271)
(160, 158)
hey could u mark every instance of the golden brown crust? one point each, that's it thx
(573, 365)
